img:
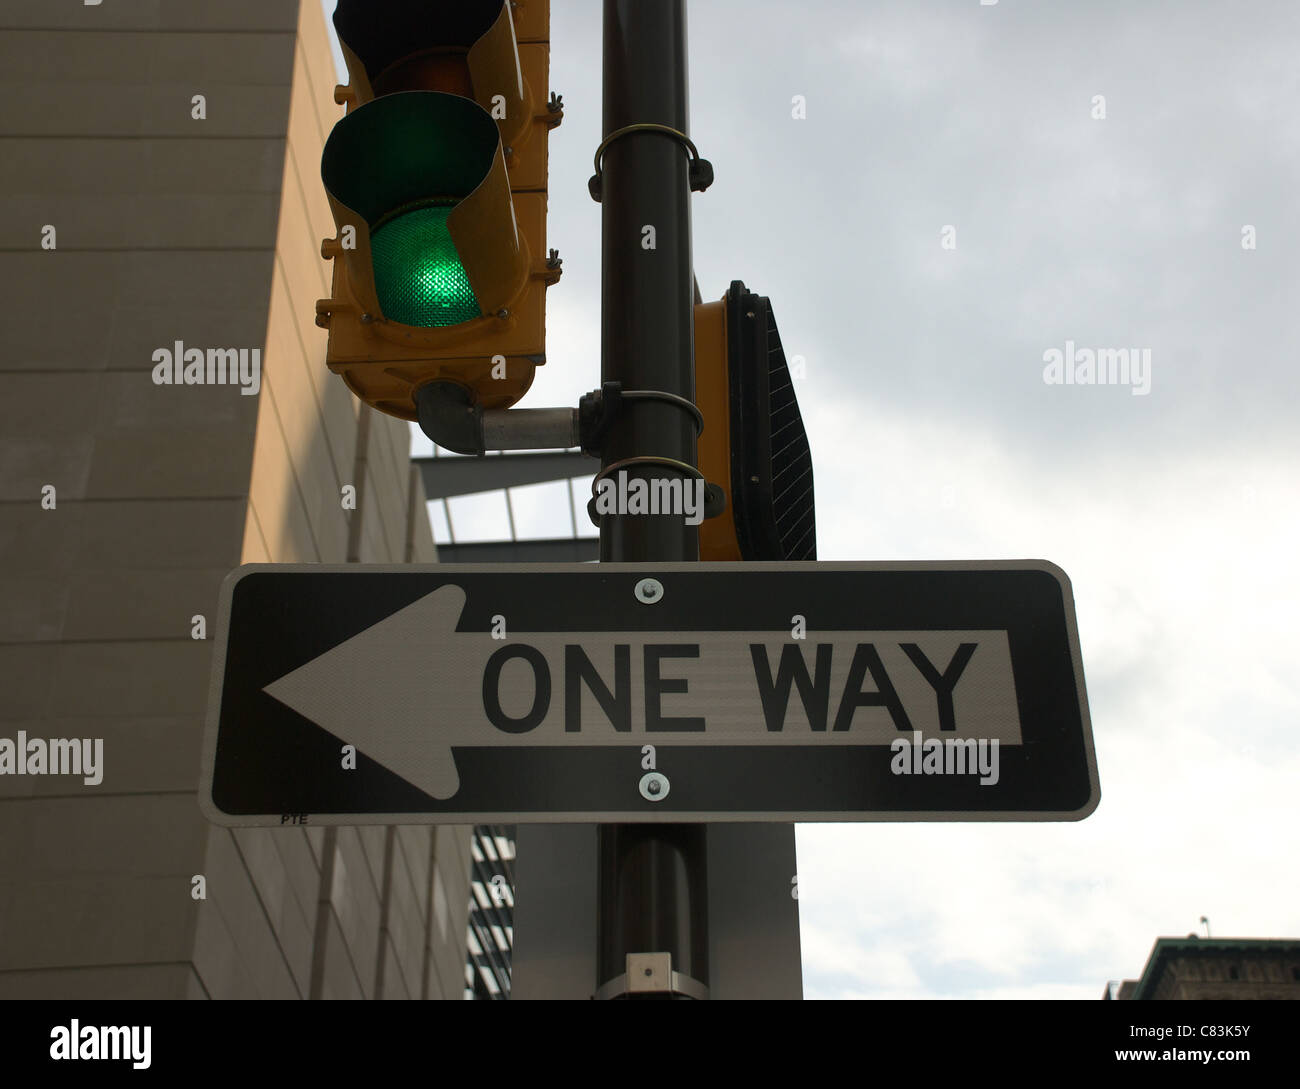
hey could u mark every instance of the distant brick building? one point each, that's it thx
(1217, 968)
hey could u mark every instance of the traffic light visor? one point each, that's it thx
(407, 149)
(383, 34)
(421, 175)
(466, 47)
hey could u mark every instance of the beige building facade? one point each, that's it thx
(160, 193)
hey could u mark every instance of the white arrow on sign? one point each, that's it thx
(410, 689)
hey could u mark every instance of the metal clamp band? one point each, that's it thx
(701, 170)
(597, 411)
(669, 398)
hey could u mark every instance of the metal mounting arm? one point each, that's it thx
(451, 417)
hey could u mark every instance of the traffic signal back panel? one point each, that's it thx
(754, 444)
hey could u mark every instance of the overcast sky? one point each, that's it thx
(935, 435)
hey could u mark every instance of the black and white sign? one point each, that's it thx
(637, 692)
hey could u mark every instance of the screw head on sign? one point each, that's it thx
(648, 591)
(654, 786)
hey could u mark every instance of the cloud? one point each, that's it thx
(1182, 573)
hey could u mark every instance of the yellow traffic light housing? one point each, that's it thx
(718, 541)
(754, 444)
(436, 178)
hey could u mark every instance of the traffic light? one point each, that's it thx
(753, 444)
(436, 177)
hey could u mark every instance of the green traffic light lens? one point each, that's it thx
(419, 277)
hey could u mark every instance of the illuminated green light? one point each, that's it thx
(419, 277)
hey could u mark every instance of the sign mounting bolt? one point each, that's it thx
(649, 591)
(654, 786)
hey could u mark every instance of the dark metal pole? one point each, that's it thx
(652, 877)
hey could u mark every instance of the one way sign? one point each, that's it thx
(637, 692)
